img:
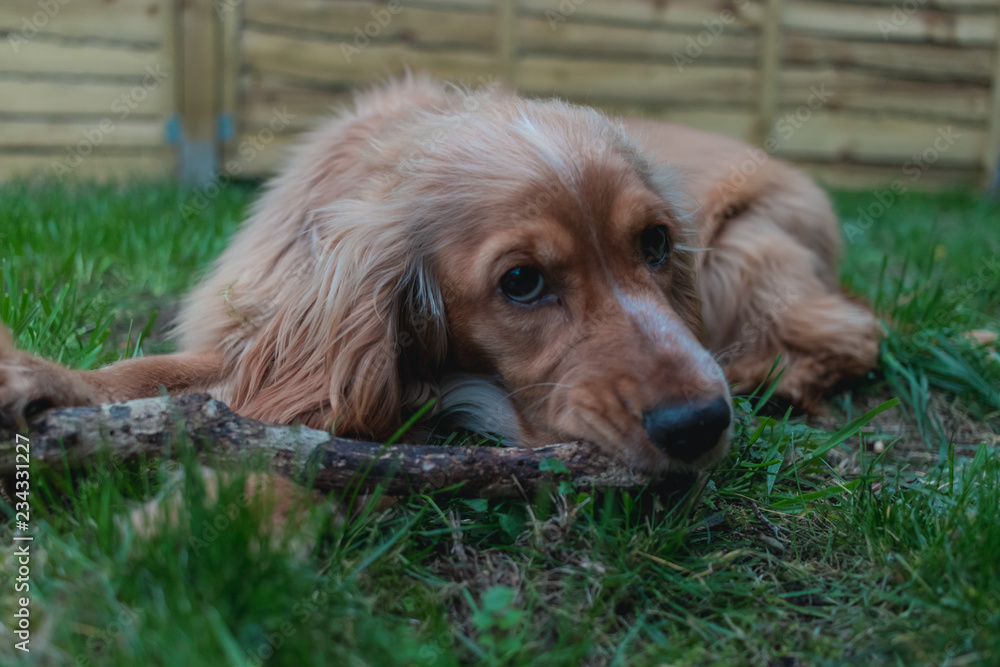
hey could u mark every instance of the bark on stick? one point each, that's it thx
(151, 427)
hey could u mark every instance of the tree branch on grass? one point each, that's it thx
(150, 427)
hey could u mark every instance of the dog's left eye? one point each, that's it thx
(523, 284)
(655, 245)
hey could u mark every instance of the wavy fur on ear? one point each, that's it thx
(323, 306)
(359, 346)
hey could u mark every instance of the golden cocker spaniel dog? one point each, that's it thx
(548, 273)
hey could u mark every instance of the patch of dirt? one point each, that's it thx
(899, 429)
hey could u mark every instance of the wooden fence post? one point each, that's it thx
(508, 15)
(230, 123)
(770, 69)
(200, 85)
(991, 156)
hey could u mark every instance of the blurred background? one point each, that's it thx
(863, 93)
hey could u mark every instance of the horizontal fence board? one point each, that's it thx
(869, 177)
(645, 82)
(888, 141)
(35, 134)
(689, 15)
(263, 98)
(344, 21)
(254, 160)
(325, 61)
(914, 61)
(478, 6)
(41, 56)
(110, 99)
(736, 125)
(860, 91)
(971, 6)
(538, 35)
(877, 23)
(97, 166)
(733, 123)
(118, 20)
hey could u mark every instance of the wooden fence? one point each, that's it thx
(861, 92)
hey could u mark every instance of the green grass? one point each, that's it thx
(807, 546)
(931, 266)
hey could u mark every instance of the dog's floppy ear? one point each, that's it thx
(361, 344)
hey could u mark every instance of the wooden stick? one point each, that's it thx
(150, 427)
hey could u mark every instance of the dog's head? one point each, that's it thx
(524, 261)
(570, 280)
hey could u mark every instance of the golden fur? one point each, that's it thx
(365, 280)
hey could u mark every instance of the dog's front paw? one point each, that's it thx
(29, 384)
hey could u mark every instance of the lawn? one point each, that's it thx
(866, 536)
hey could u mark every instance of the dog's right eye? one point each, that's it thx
(523, 284)
(655, 244)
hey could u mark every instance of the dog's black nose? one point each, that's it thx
(688, 430)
